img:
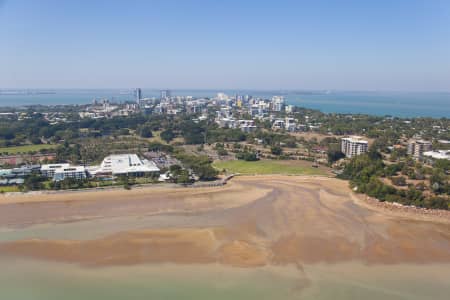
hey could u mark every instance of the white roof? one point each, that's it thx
(439, 154)
(423, 142)
(356, 139)
(70, 169)
(54, 166)
(126, 163)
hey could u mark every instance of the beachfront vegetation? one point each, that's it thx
(201, 165)
(367, 173)
(9, 189)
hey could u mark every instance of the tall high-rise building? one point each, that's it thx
(222, 96)
(277, 103)
(138, 95)
(165, 94)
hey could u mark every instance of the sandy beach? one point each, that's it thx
(250, 222)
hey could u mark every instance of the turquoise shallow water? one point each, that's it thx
(402, 104)
(33, 280)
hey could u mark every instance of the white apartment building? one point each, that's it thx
(49, 170)
(226, 122)
(353, 146)
(60, 172)
(290, 124)
(253, 110)
(75, 172)
(278, 103)
(247, 125)
(248, 128)
(278, 124)
(289, 109)
(222, 96)
(416, 148)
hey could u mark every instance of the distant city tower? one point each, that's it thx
(165, 94)
(138, 95)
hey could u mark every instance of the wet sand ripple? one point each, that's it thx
(263, 220)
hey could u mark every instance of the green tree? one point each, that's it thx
(276, 150)
(334, 155)
(167, 135)
(247, 156)
(145, 131)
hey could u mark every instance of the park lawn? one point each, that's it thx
(265, 167)
(26, 148)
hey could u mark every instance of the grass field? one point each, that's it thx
(26, 148)
(264, 167)
(8, 189)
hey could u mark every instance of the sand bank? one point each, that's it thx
(259, 221)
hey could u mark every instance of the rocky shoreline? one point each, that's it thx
(394, 207)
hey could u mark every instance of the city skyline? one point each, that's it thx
(287, 45)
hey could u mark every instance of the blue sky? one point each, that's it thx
(347, 45)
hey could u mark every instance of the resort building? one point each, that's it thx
(60, 172)
(75, 172)
(124, 164)
(50, 169)
(353, 146)
(416, 148)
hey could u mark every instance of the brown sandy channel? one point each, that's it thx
(266, 220)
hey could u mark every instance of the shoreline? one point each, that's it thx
(24, 197)
(388, 208)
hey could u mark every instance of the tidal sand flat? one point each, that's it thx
(263, 237)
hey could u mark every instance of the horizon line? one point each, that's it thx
(226, 89)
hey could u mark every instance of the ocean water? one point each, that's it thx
(400, 104)
(377, 103)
